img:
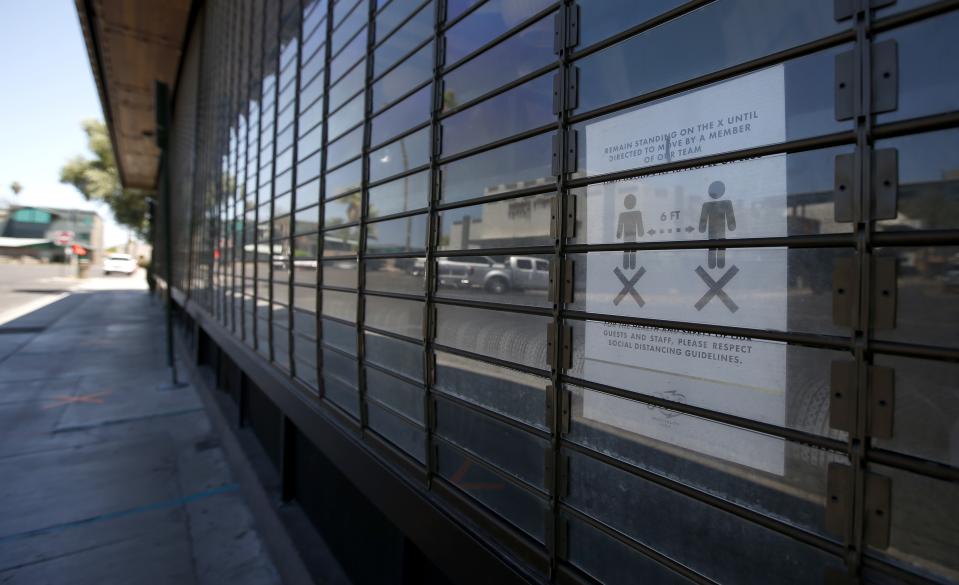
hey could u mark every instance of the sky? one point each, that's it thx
(47, 91)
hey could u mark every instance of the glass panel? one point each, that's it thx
(761, 288)
(310, 93)
(410, 192)
(403, 275)
(311, 140)
(308, 168)
(408, 113)
(486, 23)
(767, 381)
(522, 54)
(397, 355)
(305, 252)
(611, 561)
(398, 431)
(522, 108)
(925, 409)
(638, 65)
(414, 70)
(409, 152)
(341, 242)
(928, 68)
(304, 318)
(399, 395)
(523, 221)
(342, 273)
(518, 165)
(346, 29)
(663, 520)
(765, 473)
(342, 9)
(344, 179)
(516, 280)
(788, 101)
(927, 302)
(281, 204)
(509, 392)
(393, 14)
(609, 17)
(407, 234)
(774, 196)
(517, 505)
(340, 211)
(307, 220)
(928, 193)
(348, 146)
(339, 335)
(348, 86)
(313, 116)
(308, 194)
(508, 448)
(342, 394)
(508, 336)
(340, 305)
(399, 44)
(346, 117)
(395, 316)
(922, 532)
(350, 54)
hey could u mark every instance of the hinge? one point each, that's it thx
(885, 183)
(548, 475)
(556, 155)
(438, 99)
(553, 220)
(567, 285)
(429, 321)
(885, 76)
(877, 513)
(885, 286)
(431, 414)
(845, 292)
(565, 400)
(847, 84)
(571, 215)
(843, 389)
(438, 139)
(571, 146)
(572, 26)
(572, 89)
(559, 28)
(566, 335)
(441, 12)
(557, 93)
(429, 368)
(553, 279)
(845, 188)
(441, 51)
(550, 406)
(839, 483)
(843, 9)
(438, 186)
(881, 401)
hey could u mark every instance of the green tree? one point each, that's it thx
(98, 179)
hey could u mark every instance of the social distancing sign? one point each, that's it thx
(737, 287)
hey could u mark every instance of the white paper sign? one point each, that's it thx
(733, 287)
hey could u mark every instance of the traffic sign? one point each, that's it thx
(63, 238)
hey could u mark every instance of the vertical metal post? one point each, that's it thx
(162, 95)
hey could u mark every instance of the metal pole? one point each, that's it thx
(162, 119)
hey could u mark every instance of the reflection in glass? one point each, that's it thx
(340, 305)
(401, 117)
(348, 86)
(518, 165)
(410, 192)
(524, 221)
(340, 273)
(517, 280)
(712, 41)
(401, 155)
(488, 22)
(522, 108)
(413, 71)
(399, 316)
(402, 275)
(346, 147)
(344, 179)
(416, 30)
(525, 52)
(341, 242)
(513, 337)
(406, 234)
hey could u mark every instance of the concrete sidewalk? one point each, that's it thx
(105, 476)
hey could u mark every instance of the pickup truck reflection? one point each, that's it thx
(494, 274)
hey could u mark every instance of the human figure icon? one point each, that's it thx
(630, 227)
(716, 217)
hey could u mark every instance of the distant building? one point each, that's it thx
(32, 231)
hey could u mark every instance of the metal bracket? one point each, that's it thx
(845, 188)
(885, 183)
(431, 413)
(885, 76)
(441, 51)
(846, 86)
(881, 401)
(565, 28)
(559, 28)
(429, 321)
(571, 215)
(570, 154)
(877, 513)
(562, 490)
(843, 390)
(438, 99)
(557, 92)
(566, 334)
(561, 290)
(438, 139)
(565, 400)
(550, 393)
(556, 168)
(572, 88)
(839, 483)
(885, 286)
(845, 292)
(548, 476)
(429, 368)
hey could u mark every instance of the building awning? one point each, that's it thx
(132, 44)
(23, 242)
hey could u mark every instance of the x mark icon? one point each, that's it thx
(629, 285)
(86, 398)
(716, 289)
